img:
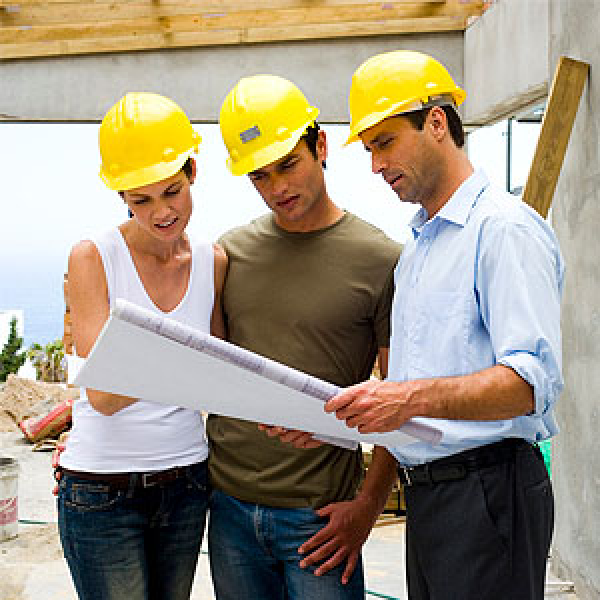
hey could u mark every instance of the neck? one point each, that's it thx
(456, 170)
(141, 242)
(321, 215)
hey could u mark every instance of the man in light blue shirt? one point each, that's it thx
(475, 348)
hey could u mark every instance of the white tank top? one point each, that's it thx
(143, 436)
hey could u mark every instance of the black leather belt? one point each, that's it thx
(125, 481)
(457, 466)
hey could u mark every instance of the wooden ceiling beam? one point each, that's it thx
(67, 13)
(96, 27)
(157, 40)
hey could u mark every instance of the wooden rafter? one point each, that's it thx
(29, 28)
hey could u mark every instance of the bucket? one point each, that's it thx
(9, 470)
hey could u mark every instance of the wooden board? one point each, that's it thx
(31, 28)
(565, 94)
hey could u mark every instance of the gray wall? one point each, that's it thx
(84, 87)
(574, 27)
(510, 53)
(506, 64)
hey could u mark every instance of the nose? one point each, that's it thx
(377, 162)
(278, 185)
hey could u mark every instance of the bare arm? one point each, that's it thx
(491, 394)
(88, 300)
(217, 320)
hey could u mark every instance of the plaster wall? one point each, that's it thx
(574, 30)
(506, 64)
(82, 88)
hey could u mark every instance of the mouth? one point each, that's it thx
(392, 181)
(287, 203)
(167, 224)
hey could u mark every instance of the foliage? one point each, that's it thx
(11, 359)
(49, 361)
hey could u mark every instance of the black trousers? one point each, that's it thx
(484, 537)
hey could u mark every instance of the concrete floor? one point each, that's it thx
(32, 566)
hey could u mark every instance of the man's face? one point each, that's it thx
(293, 186)
(405, 157)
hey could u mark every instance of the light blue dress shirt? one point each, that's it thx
(479, 285)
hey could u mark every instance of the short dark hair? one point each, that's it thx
(311, 137)
(417, 119)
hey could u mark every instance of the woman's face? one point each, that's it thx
(163, 208)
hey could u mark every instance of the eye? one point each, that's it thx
(288, 165)
(384, 142)
(140, 201)
(172, 192)
(256, 176)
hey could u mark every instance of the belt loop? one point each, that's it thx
(133, 479)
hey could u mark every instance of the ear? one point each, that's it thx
(193, 177)
(437, 123)
(322, 146)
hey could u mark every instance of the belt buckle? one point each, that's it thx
(146, 481)
(406, 471)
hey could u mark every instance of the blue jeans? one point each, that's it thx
(254, 554)
(139, 544)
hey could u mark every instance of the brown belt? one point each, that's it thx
(125, 481)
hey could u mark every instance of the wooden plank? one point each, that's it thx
(67, 14)
(565, 94)
(365, 13)
(227, 5)
(167, 38)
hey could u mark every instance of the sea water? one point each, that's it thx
(35, 286)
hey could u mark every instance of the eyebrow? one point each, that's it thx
(167, 189)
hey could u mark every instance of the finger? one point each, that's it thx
(317, 540)
(320, 554)
(351, 563)
(333, 562)
(341, 400)
(291, 437)
(55, 490)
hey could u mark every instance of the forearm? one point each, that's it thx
(379, 480)
(492, 394)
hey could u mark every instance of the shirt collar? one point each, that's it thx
(457, 208)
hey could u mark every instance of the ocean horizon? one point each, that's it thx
(35, 286)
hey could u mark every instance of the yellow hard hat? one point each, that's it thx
(396, 82)
(144, 138)
(262, 119)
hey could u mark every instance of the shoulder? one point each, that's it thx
(220, 256)
(84, 253)
(248, 233)
(501, 213)
(367, 237)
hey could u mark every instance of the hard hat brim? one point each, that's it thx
(147, 175)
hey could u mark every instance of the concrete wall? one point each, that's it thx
(83, 88)
(576, 216)
(506, 65)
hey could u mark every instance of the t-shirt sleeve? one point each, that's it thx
(383, 307)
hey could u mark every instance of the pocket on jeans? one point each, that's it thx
(89, 497)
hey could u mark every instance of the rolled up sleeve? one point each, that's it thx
(519, 282)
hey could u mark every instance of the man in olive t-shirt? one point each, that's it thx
(308, 285)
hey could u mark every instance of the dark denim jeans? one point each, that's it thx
(254, 554)
(139, 545)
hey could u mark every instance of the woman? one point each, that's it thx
(133, 488)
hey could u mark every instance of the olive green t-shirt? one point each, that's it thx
(318, 302)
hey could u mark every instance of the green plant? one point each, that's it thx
(11, 359)
(48, 361)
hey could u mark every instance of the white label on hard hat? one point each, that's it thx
(250, 134)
